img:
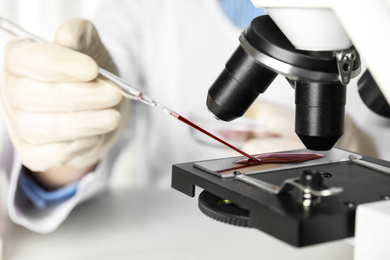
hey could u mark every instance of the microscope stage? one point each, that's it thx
(281, 215)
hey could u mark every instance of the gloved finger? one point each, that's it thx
(37, 96)
(93, 155)
(40, 158)
(272, 144)
(48, 62)
(40, 128)
(96, 153)
(80, 35)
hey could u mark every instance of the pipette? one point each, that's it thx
(127, 90)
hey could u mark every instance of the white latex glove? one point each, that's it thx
(58, 111)
(280, 122)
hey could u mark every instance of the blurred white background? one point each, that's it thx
(42, 17)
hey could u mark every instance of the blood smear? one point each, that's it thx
(281, 158)
(273, 158)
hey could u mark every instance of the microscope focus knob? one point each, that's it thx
(223, 210)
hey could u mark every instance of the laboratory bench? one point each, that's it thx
(153, 224)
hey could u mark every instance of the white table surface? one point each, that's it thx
(153, 225)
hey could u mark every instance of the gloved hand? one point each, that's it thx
(62, 117)
(280, 122)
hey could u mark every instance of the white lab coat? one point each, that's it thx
(173, 50)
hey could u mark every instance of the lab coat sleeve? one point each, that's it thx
(120, 27)
(23, 212)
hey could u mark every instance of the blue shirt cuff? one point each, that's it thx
(40, 197)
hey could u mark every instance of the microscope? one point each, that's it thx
(317, 46)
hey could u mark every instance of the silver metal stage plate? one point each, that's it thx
(225, 167)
